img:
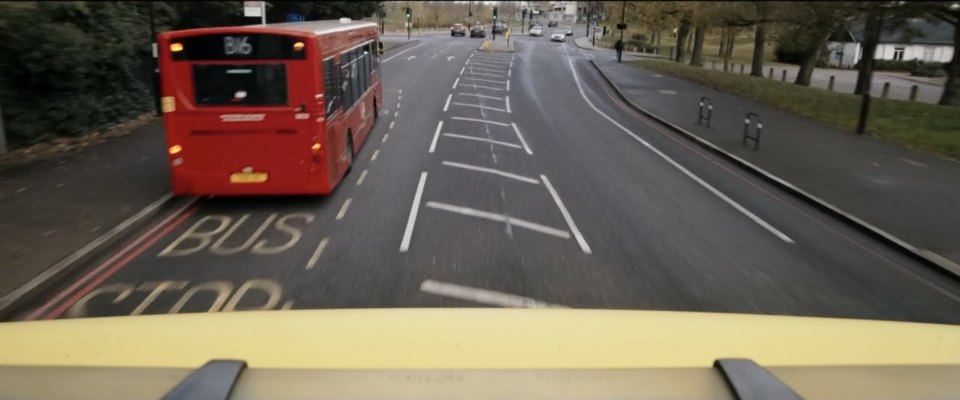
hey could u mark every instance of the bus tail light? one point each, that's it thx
(175, 149)
(176, 47)
(298, 46)
(316, 147)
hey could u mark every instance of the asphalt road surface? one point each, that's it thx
(509, 179)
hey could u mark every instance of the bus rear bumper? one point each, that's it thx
(218, 184)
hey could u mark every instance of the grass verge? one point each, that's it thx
(924, 126)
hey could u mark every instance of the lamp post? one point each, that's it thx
(156, 64)
(623, 24)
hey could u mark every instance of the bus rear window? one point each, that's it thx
(240, 84)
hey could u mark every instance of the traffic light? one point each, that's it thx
(495, 13)
(408, 12)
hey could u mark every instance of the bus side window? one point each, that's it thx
(363, 68)
(346, 86)
(357, 75)
(371, 59)
(331, 85)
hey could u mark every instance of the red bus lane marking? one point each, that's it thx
(120, 264)
(182, 213)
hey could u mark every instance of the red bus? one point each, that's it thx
(271, 109)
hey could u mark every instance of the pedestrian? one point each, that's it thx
(619, 47)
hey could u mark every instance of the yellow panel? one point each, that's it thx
(473, 338)
(167, 104)
(248, 177)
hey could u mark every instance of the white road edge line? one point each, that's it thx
(676, 165)
(484, 69)
(487, 87)
(533, 226)
(391, 124)
(385, 136)
(398, 54)
(482, 296)
(524, 142)
(505, 174)
(461, 70)
(436, 135)
(479, 139)
(508, 89)
(312, 262)
(375, 155)
(363, 175)
(508, 104)
(447, 105)
(455, 83)
(481, 96)
(566, 215)
(485, 80)
(509, 73)
(414, 209)
(479, 120)
(485, 74)
(479, 106)
(490, 60)
(343, 209)
(484, 64)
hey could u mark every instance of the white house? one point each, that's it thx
(565, 11)
(921, 40)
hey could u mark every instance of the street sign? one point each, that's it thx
(295, 17)
(252, 8)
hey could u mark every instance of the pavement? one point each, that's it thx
(910, 194)
(508, 179)
(55, 206)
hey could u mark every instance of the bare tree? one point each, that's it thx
(806, 28)
(949, 12)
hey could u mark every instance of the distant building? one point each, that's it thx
(565, 11)
(919, 40)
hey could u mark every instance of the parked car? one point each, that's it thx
(458, 30)
(558, 36)
(536, 31)
(499, 27)
(477, 31)
(568, 31)
(552, 24)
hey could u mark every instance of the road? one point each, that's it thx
(509, 179)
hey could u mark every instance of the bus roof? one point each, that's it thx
(319, 27)
(312, 27)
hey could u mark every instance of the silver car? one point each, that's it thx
(536, 31)
(558, 36)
